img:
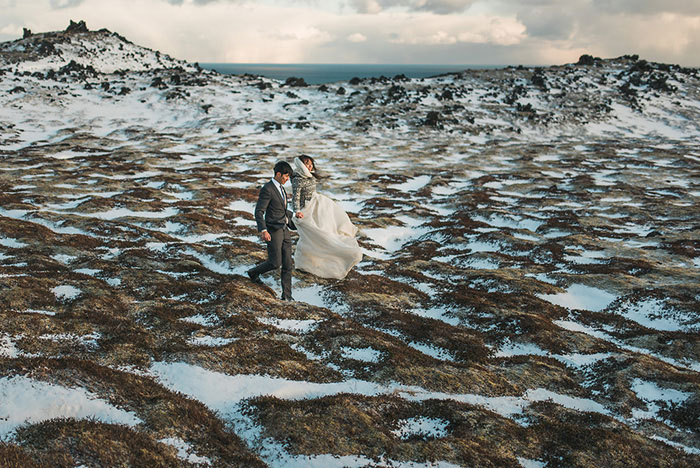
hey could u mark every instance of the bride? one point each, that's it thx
(327, 245)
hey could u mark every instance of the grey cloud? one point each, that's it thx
(628, 7)
(442, 7)
(364, 6)
(551, 19)
(548, 23)
(557, 19)
(58, 4)
(199, 2)
(377, 50)
(648, 7)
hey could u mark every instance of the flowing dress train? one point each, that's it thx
(327, 246)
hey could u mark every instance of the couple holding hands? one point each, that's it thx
(327, 246)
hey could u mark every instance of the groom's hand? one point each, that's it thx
(300, 214)
(265, 236)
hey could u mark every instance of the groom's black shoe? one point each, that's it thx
(289, 298)
(254, 278)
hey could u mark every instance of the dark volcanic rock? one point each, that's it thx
(381, 80)
(588, 60)
(364, 123)
(269, 126)
(79, 27)
(641, 66)
(295, 82)
(527, 108)
(46, 48)
(159, 83)
(539, 80)
(177, 93)
(446, 95)
(82, 71)
(396, 93)
(263, 85)
(434, 119)
(660, 83)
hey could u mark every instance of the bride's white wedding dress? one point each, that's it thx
(327, 246)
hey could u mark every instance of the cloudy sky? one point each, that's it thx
(499, 32)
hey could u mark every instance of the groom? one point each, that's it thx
(274, 222)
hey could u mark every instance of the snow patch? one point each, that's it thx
(361, 354)
(27, 401)
(421, 427)
(296, 326)
(66, 292)
(199, 319)
(655, 396)
(579, 296)
(185, 451)
(656, 314)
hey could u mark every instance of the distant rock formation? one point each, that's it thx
(586, 59)
(104, 51)
(79, 27)
(295, 82)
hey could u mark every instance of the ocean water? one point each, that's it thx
(318, 73)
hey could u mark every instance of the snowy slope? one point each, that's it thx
(104, 51)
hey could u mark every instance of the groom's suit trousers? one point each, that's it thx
(279, 254)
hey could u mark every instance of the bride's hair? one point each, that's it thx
(305, 158)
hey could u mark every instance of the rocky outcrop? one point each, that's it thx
(588, 60)
(295, 82)
(77, 28)
(103, 50)
(80, 71)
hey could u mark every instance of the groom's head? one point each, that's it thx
(282, 171)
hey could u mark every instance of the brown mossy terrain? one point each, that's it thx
(164, 414)
(141, 280)
(529, 291)
(67, 443)
(596, 440)
(349, 424)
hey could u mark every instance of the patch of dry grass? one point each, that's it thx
(164, 414)
(352, 424)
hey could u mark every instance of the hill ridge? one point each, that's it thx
(104, 50)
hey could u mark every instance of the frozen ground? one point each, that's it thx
(529, 292)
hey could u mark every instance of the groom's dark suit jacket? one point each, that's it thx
(271, 210)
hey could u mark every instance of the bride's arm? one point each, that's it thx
(296, 196)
